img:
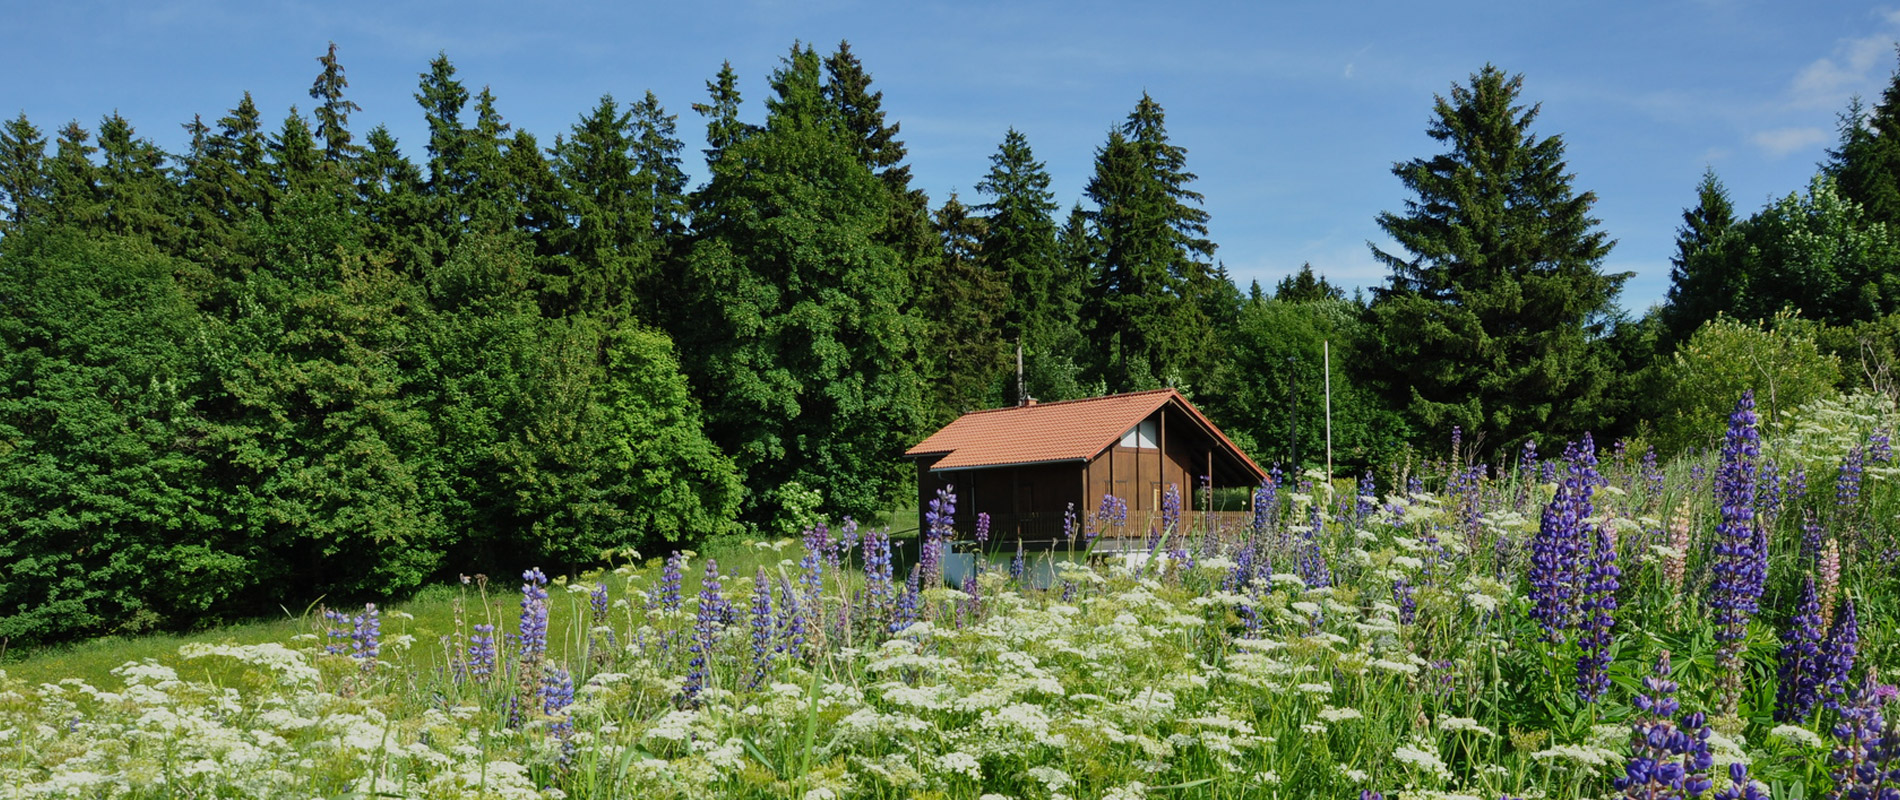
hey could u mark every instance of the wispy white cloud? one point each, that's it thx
(1782, 141)
(1850, 69)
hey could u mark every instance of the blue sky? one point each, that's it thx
(1292, 112)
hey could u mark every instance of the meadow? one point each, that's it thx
(1583, 624)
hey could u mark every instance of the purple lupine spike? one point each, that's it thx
(1866, 757)
(1171, 510)
(600, 635)
(878, 575)
(1312, 565)
(982, 528)
(1653, 480)
(557, 693)
(1847, 483)
(764, 631)
(1768, 496)
(533, 630)
(1669, 757)
(1810, 540)
(1795, 488)
(1265, 502)
(973, 604)
(1798, 686)
(1018, 564)
(1069, 527)
(904, 611)
(1558, 571)
(1741, 563)
(791, 625)
(1113, 512)
(337, 627)
(1880, 446)
(672, 576)
(1599, 607)
(939, 528)
(481, 653)
(1405, 596)
(366, 636)
(707, 624)
(842, 546)
(1740, 787)
(1368, 499)
(1835, 667)
(811, 565)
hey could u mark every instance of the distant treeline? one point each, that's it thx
(295, 362)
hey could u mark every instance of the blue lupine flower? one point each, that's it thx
(1880, 446)
(1405, 596)
(1652, 473)
(764, 631)
(533, 631)
(1558, 571)
(672, 575)
(1741, 556)
(939, 527)
(1866, 757)
(707, 623)
(878, 575)
(1798, 688)
(1834, 669)
(366, 636)
(1847, 483)
(1740, 787)
(1810, 540)
(1599, 605)
(557, 693)
(982, 528)
(1668, 757)
(1018, 564)
(481, 653)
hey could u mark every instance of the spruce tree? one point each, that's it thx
(1492, 317)
(966, 301)
(73, 196)
(1702, 280)
(1019, 246)
(1145, 309)
(1306, 287)
(135, 185)
(22, 173)
(1866, 164)
(332, 111)
(791, 326)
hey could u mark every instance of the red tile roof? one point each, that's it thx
(1069, 430)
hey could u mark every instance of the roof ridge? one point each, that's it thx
(1072, 401)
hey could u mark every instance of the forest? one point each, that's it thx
(297, 361)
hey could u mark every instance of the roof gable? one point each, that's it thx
(1068, 430)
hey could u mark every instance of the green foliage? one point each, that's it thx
(103, 468)
(1866, 163)
(1781, 361)
(791, 325)
(1277, 401)
(1818, 253)
(1493, 323)
(1700, 287)
(965, 304)
(1150, 267)
(1044, 294)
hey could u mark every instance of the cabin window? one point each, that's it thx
(1143, 436)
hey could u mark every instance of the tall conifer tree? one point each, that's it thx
(1493, 321)
(1145, 308)
(22, 173)
(791, 327)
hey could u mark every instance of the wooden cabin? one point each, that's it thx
(1026, 465)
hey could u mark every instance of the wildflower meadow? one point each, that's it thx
(1583, 624)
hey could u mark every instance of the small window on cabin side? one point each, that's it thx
(1143, 436)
